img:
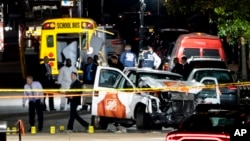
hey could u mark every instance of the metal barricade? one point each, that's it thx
(3, 130)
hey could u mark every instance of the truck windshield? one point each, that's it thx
(222, 76)
(208, 64)
(161, 76)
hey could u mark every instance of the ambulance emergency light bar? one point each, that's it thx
(67, 25)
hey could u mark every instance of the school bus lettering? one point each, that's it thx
(63, 25)
(68, 25)
(75, 25)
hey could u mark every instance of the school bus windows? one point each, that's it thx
(84, 41)
(50, 41)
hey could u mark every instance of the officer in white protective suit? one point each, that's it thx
(64, 80)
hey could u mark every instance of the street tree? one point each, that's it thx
(232, 18)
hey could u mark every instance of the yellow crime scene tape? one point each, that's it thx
(88, 92)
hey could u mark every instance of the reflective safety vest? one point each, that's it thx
(148, 60)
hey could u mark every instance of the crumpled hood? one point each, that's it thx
(172, 85)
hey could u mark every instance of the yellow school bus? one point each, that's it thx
(66, 38)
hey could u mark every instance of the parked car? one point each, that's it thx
(207, 62)
(214, 123)
(226, 81)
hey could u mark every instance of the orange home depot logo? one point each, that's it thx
(176, 86)
(111, 106)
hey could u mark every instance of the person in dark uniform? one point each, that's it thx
(178, 67)
(186, 67)
(47, 81)
(128, 58)
(95, 59)
(89, 71)
(88, 80)
(148, 59)
(116, 63)
(74, 102)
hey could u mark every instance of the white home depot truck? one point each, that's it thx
(152, 104)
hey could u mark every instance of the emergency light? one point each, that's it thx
(50, 25)
(87, 25)
(51, 54)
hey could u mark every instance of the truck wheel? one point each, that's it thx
(99, 122)
(142, 119)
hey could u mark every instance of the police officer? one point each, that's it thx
(147, 59)
(128, 58)
(150, 58)
(157, 59)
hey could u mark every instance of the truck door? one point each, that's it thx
(112, 93)
(211, 93)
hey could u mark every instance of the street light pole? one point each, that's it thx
(80, 6)
(141, 29)
(102, 4)
(141, 32)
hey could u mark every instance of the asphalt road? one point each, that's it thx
(12, 111)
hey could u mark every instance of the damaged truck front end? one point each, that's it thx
(169, 102)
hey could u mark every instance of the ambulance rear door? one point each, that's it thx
(112, 94)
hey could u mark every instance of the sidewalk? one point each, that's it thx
(91, 137)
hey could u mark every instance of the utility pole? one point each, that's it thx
(80, 8)
(141, 31)
(102, 4)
